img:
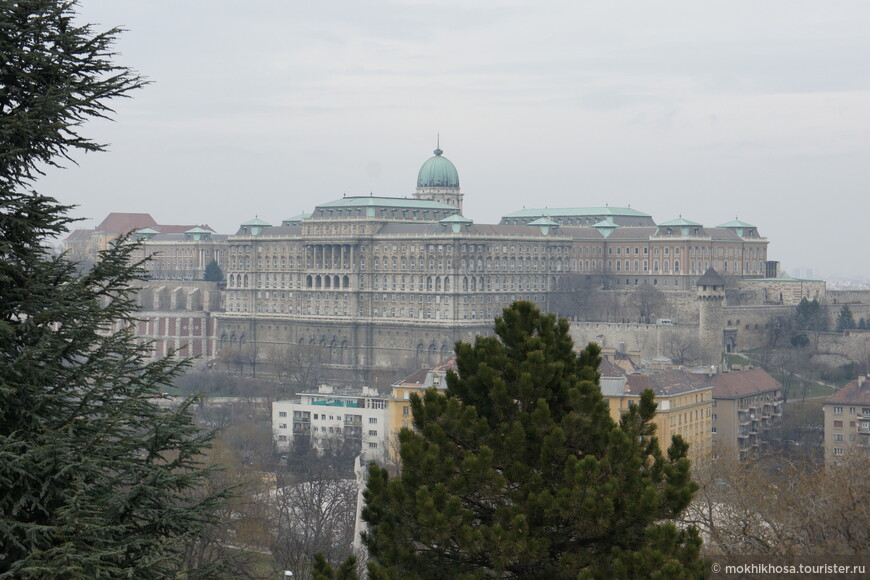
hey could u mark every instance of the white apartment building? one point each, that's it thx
(333, 414)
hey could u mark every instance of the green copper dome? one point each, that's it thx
(438, 171)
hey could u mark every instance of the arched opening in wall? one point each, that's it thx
(342, 353)
(345, 282)
(232, 280)
(317, 282)
(333, 351)
(432, 352)
(730, 344)
(465, 283)
(223, 339)
(245, 281)
(327, 282)
(429, 283)
(419, 353)
(309, 282)
(336, 282)
(312, 341)
(445, 352)
(301, 341)
(447, 283)
(473, 284)
(438, 283)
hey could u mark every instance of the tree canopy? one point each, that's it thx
(518, 471)
(96, 481)
(845, 319)
(213, 272)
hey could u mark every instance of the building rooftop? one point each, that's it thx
(121, 222)
(576, 212)
(855, 393)
(667, 383)
(743, 383)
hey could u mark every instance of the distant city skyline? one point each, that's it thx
(707, 111)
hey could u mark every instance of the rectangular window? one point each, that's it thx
(282, 425)
(838, 410)
(838, 451)
(838, 424)
(373, 421)
(282, 413)
(373, 433)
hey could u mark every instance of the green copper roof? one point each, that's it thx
(736, 223)
(607, 223)
(455, 218)
(606, 226)
(198, 230)
(680, 221)
(542, 222)
(438, 171)
(577, 212)
(256, 222)
(147, 231)
(397, 202)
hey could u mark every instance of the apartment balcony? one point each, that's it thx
(301, 428)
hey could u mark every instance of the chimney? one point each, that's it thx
(861, 381)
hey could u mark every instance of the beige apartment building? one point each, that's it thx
(847, 422)
(747, 413)
(685, 403)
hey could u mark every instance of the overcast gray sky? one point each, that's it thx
(709, 110)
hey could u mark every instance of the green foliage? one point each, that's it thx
(519, 471)
(800, 340)
(323, 571)
(96, 481)
(845, 319)
(213, 272)
(809, 315)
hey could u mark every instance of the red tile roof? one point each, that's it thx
(121, 223)
(855, 393)
(667, 383)
(743, 383)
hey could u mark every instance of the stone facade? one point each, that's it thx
(386, 285)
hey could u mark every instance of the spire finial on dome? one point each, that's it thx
(438, 150)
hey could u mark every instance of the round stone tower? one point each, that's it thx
(438, 180)
(711, 299)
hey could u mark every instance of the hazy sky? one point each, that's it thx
(709, 110)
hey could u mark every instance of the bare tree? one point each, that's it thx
(648, 300)
(302, 365)
(314, 513)
(773, 506)
(682, 348)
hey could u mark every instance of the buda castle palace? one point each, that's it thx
(389, 284)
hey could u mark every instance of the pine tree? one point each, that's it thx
(518, 471)
(96, 481)
(845, 319)
(213, 272)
